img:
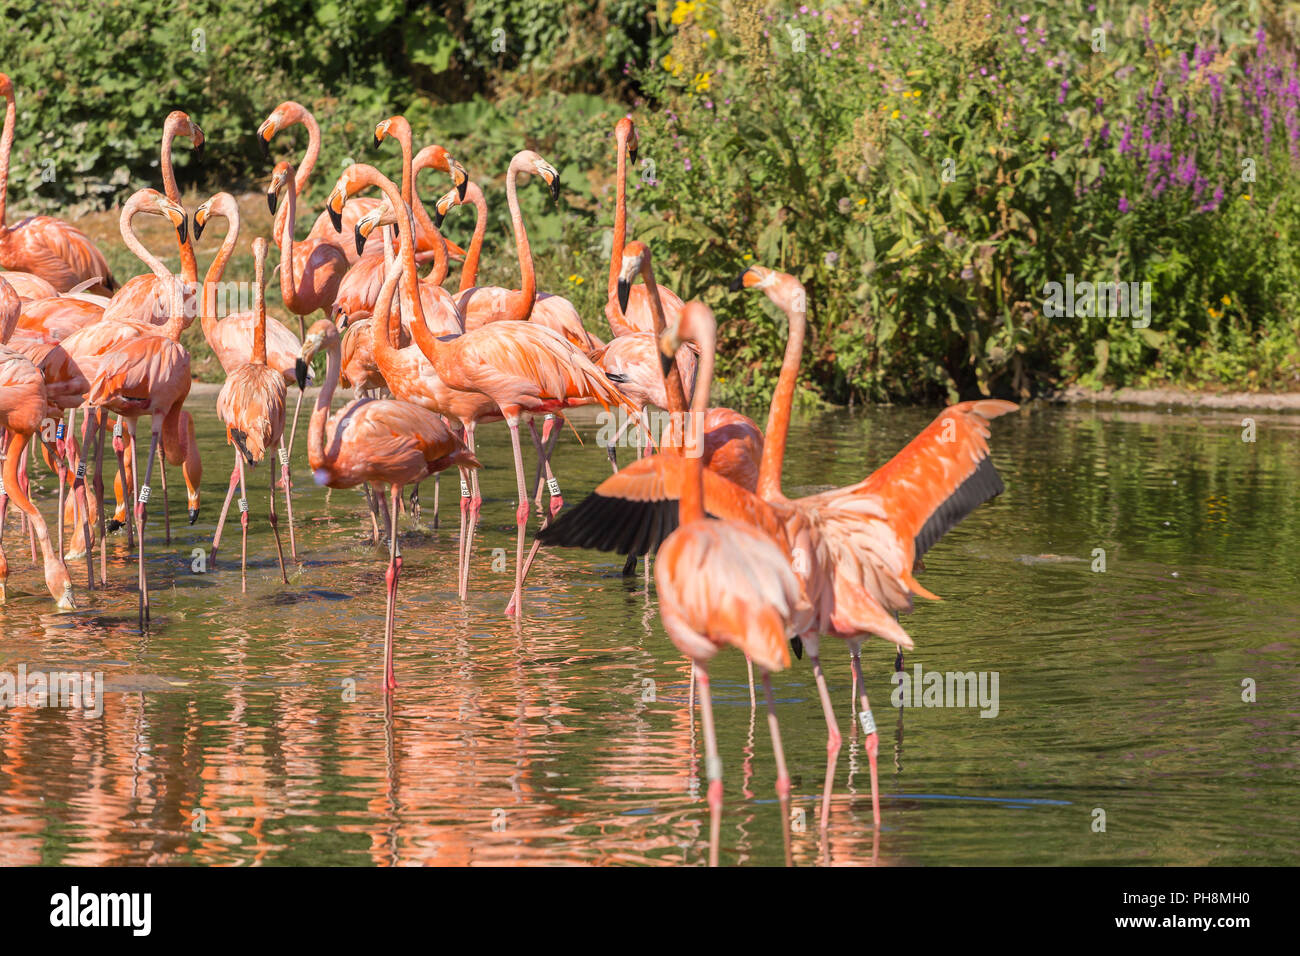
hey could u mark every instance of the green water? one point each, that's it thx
(567, 738)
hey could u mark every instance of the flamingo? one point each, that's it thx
(50, 248)
(482, 304)
(231, 339)
(724, 583)
(636, 314)
(310, 270)
(427, 238)
(378, 441)
(856, 546)
(287, 114)
(502, 370)
(251, 404)
(141, 299)
(149, 375)
(23, 408)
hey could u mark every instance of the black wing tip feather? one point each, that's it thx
(983, 484)
(620, 525)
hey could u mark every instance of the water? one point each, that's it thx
(230, 736)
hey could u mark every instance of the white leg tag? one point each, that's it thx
(464, 488)
(81, 469)
(243, 504)
(553, 485)
(868, 722)
(117, 429)
(284, 457)
(143, 497)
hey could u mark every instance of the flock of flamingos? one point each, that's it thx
(738, 563)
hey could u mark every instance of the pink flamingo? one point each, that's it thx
(377, 441)
(310, 271)
(56, 251)
(23, 409)
(251, 404)
(724, 583)
(30, 287)
(231, 338)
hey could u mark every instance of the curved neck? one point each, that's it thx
(288, 287)
(189, 265)
(400, 129)
(259, 305)
(431, 157)
(208, 314)
(620, 211)
(673, 380)
(691, 506)
(469, 272)
(778, 416)
(316, 431)
(313, 150)
(6, 145)
(166, 281)
(523, 306)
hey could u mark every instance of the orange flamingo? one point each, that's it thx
(251, 404)
(482, 304)
(56, 251)
(724, 583)
(856, 546)
(141, 299)
(636, 313)
(427, 238)
(231, 339)
(23, 409)
(310, 271)
(149, 375)
(287, 114)
(377, 441)
(504, 369)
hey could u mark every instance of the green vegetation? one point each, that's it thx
(926, 169)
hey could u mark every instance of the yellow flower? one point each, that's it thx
(702, 81)
(862, 201)
(1246, 197)
(916, 94)
(713, 34)
(1214, 313)
(894, 115)
(683, 10)
(1226, 301)
(576, 279)
(747, 256)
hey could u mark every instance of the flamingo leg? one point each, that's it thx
(142, 499)
(275, 527)
(243, 525)
(833, 740)
(475, 503)
(162, 480)
(4, 512)
(521, 517)
(25, 486)
(53, 563)
(225, 508)
(61, 471)
(288, 498)
(871, 742)
(544, 449)
(414, 510)
(99, 496)
(88, 436)
(394, 571)
(712, 763)
(437, 494)
(782, 773)
(749, 665)
(462, 541)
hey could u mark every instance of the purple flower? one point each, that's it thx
(1123, 203)
(1065, 86)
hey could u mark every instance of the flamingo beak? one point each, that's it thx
(264, 134)
(665, 363)
(183, 228)
(555, 188)
(460, 178)
(624, 291)
(198, 151)
(438, 217)
(377, 140)
(631, 154)
(336, 216)
(796, 645)
(65, 603)
(194, 515)
(359, 238)
(300, 373)
(198, 226)
(738, 283)
(270, 201)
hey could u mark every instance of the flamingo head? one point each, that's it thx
(381, 130)
(322, 334)
(628, 129)
(281, 176)
(286, 114)
(459, 177)
(175, 212)
(381, 215)
(444, 205)
(783, 289)
(635, 255)
(6, 86)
